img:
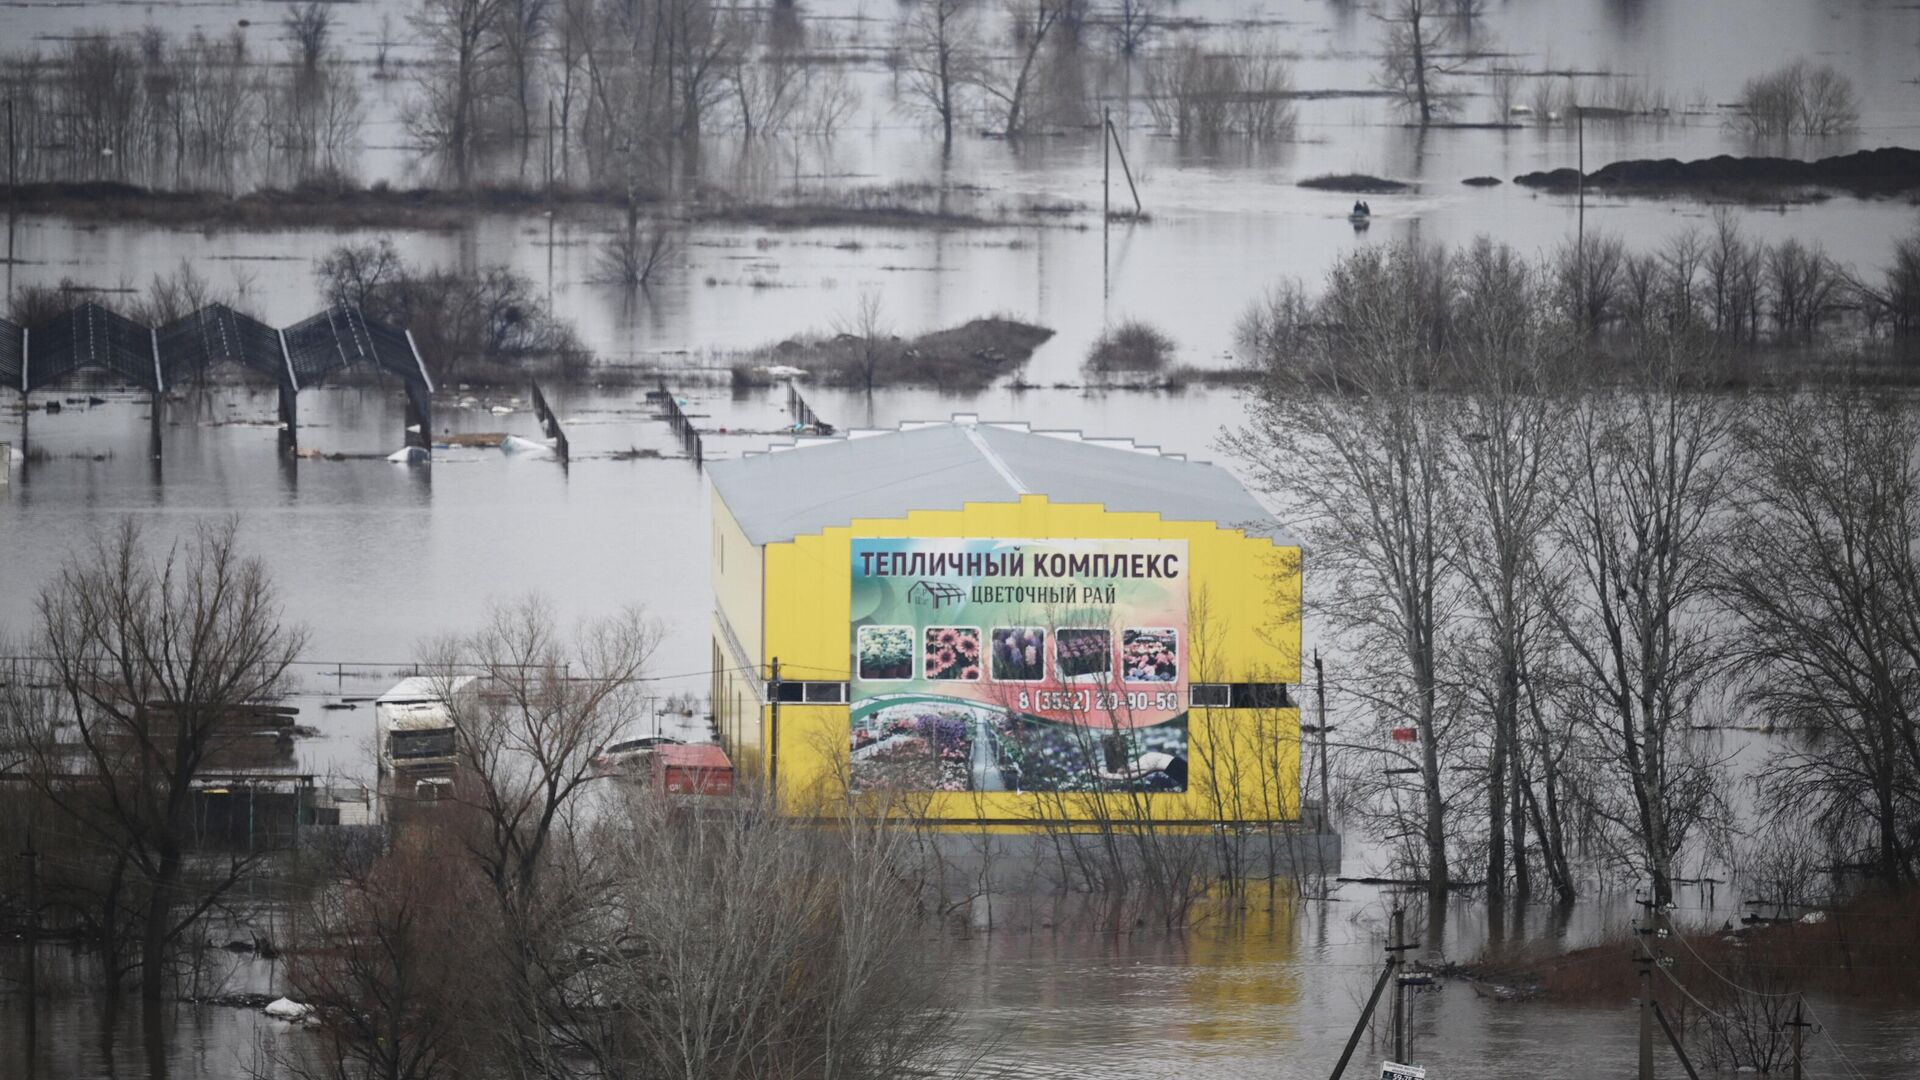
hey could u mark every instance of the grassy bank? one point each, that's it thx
(1867, 948)
(381, 206)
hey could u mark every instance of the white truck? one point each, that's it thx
(414, 727)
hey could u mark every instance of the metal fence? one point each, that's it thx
(682, 426)
(802, 413)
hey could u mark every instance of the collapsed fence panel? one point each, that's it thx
(302, 355)
(13, 356)
(549, 423)
(91, 337)
(218, 335)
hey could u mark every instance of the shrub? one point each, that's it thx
(1798, 100)
(1130, 346)
(461, 321)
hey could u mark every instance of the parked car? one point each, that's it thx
(632, 755)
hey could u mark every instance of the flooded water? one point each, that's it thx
(1272, 998)
(1228, 218)
(374, 558)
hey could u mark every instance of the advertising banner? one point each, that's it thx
(1019, 665)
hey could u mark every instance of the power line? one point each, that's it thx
(1824, 1030)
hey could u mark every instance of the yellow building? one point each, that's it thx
(1018, 625)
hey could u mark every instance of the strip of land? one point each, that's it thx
(1887, 171)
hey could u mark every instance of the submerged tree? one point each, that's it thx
(1012, 82)
(1799, 99)
(463, 78)
(1819, 570)
(1349, 429)
(1413, 66)
(544, 704)
(938, 60)
(1648, 488)
(160, 656)
(1505, 440)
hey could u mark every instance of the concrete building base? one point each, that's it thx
(968, 863)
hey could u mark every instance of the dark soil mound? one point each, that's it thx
(1355, 183)
(968, 357)
(1482, 181)
(1888, 170)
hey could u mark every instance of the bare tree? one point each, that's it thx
(1349, 430)
(1506, 436)
(1820, 558)
(636, 250)
(1648, 485)
(389, 957)
(1196, 93)
(866, 328)
(1799, 99)
(523, 32)
(308, 26)
(1133, 23)
(159, 661)
(462, 78)
(1413, 66)
(547, 704)
(748, 945)
(1011, 82)
(938, 60)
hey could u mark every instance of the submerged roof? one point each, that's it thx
(817, 483)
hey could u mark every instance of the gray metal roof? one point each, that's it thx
(816, 483)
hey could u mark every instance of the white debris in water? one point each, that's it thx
(500, 410)
(412, 455)
(287, 1009)
(515, 444)
(1814, 918)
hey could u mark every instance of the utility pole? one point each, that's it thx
(1113, 137)
(1799, 1026)
(33, 935)
(1320, 696)
(1399, 992)
(1580, 228)
(1387, 975)
(1106, 165)
(773, 735)
(1646, 961)
(1646, 1018)
(1106, 208)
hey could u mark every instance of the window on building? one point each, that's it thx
(1211, 695)
(1260, 696)
(827, 693)
(799, 691)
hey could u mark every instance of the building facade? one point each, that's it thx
(1010, 626)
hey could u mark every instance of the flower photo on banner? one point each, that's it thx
(953, 652)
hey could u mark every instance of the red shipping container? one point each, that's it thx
(692, 770)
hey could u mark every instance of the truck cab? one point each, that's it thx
(414, 726)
